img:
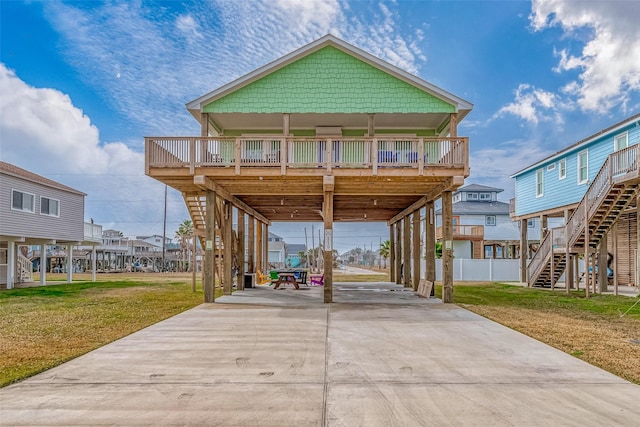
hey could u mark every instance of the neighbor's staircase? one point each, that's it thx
(611, 192)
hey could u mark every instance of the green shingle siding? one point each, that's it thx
(329, 81)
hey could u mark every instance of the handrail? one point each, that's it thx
(463, 231)
(305, 152)
(540, 258)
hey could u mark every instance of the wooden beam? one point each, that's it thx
(432, 195)
(602, 264)
(328, 239)
(209, 246)
(524, 251)
(241, 251)
(207, 183)
(251, 244)
(259, 248)
(415, 276)
(447, 248)
(453, 125)
(392, 253)
(406, 252)
(398, 253)
(430, 244)
(228, 249)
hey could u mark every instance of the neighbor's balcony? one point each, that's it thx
(312, 152)
(463, 232)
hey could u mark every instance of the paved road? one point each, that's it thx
(379, 356)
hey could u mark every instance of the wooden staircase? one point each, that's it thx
(614, 189)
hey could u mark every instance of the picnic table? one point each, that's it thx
(286, 277)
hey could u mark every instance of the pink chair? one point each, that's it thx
(317, 280)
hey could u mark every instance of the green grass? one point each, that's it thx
(42, 327)
(499, 294)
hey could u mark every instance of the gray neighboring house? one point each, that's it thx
(292, 251)
(35, 210)
(482, 226)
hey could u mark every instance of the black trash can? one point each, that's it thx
(249, 281)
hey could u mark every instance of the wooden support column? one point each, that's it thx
(204, 124)
(241, 252)
(392, 252)
(524, 252)
(251, 244)
(11, 264)
(259, 248)
(43, 265)
(265, 243)
(93, 263)
(543, 227)
(398, 252)
(637, 260)
(430, 245)
(453, 125)
(415, 275)
(209, 268)
(406, 252)
(447, 247)
(328, 183)
(568, 273)
(586, 251)
(227, 283)
(602, 264)
(69, 263)
(371, 125)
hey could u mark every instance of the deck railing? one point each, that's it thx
(301, 152)
(463, 231)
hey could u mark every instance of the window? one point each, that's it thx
(490, 220)
(485, 196)
(539, 182)
(49, 206)
(531, 223)
(562, 169)
(551, 167)
(472, 196)
(621, 142)
(21, 201)
(583, 167)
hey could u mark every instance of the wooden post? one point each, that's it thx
(543, 227)
(614, 267)
(392, 252)
(227, 283)
(251, 244)
(568, 274)
(415, 276)
(194, 266)
(265, 248)
(241, 253)
(209, 245)
(406, 252)
(637, 255)
(447, 247)
(69, 263)
(204, 125)
(398, 252)
(430, 245)
(453, 125)
(524, 252)
(328, 183)
(586, 251)
(259, 248)
(371, 125)
(602, 264)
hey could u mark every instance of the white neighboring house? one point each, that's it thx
(276, 250)
(35, 210)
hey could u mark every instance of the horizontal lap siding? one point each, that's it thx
(68, 226)
(567, 191)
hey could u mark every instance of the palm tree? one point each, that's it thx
(184, 235)
(385, 251)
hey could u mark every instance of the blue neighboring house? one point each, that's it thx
(599, 174)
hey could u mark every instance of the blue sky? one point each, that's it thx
(81, 83)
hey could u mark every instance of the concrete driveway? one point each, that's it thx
(379, 356)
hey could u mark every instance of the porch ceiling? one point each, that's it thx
(252, 121)
(300, 198)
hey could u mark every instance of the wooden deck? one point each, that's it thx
(375, 179)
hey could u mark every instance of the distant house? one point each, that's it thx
(482, 227)
(35, 210)
(292, 254)
(276, 248)
(595, 178)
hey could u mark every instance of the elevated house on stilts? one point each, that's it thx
(326, 133)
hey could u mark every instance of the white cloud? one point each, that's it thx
(609, 63)
(42, 131)
(146, 65)
(534, 105)
(487, 165)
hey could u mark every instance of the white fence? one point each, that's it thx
(490, 270)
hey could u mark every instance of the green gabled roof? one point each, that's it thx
(329, 76)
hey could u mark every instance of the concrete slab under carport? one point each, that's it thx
(379, 356)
